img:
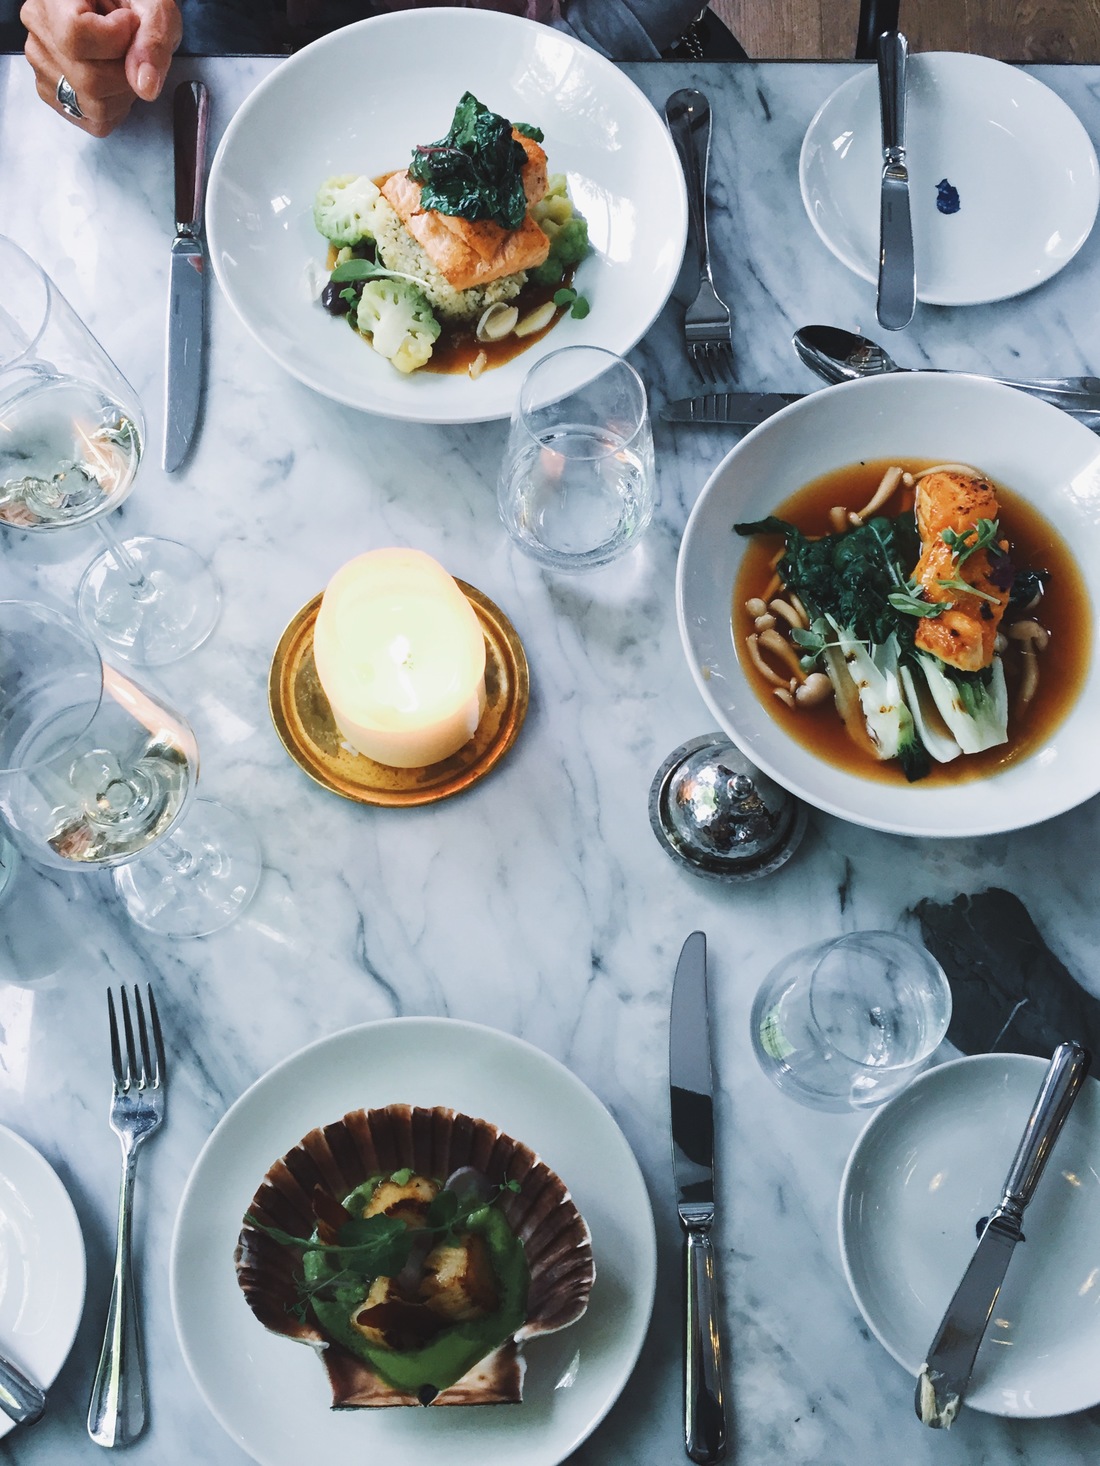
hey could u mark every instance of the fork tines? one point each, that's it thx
(713, 360)
(150, 1075)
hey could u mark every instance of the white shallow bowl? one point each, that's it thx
(1036, 450)
(41, 1265)
(923, 1173)
(271, 1394)
(358, 101)
(1024, 167)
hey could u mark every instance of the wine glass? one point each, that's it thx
(97, 771)
(845, 1023)
(71, 437)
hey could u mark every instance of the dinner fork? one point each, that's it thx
(116, 1411)
(708, 327)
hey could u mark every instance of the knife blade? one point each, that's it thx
(732, 409)
(945, 1374)
(897, 281)
(186, 293)
(691, 1102)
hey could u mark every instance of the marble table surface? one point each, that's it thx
(539, 902)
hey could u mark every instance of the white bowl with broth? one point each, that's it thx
(1046, 460)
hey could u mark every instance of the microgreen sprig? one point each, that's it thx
(961, 545)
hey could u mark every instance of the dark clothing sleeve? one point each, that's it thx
(625, 30)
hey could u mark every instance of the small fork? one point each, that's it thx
(708, 327)
(116, 1411)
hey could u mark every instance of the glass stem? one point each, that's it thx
(141, 587)
(176, 855)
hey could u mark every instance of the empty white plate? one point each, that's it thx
(926, 1169)
(1022, 166)
(41, 1265)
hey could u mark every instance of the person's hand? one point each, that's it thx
(111, 52)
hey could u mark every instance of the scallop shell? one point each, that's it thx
(341, 1156)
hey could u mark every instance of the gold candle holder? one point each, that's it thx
(304, 722)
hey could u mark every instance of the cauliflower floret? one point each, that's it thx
(399, 322)
(343, 207)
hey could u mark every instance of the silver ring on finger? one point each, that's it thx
(66, 100)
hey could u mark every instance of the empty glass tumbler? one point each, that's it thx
(576, 486)
(846, 1023)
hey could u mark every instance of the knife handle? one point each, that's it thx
(1063, 1079)
(704, 1412)
(190, 108)
(893, 55)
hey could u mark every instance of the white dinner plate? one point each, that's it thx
(270, 1393)
(1020, 161)
(358, 101)
(41, 1265)
(923, 1173)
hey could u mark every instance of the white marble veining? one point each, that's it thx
(539, 902)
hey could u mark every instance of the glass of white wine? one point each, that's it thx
(71, 437)
(97, 771)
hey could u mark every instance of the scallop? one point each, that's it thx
(339, 1157)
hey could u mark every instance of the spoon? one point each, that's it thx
(842, 356)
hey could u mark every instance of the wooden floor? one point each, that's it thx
(1011, 30)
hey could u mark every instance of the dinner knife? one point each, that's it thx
(945, 1374)
(20, 1399)
(897, 281)
(733, 409)
(186, 292)
(691, 1090)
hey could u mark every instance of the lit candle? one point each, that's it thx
(401, 656)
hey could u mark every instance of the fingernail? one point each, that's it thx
(148, 81)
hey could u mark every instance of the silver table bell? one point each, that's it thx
(716, 813)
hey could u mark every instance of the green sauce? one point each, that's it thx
(457, 1347)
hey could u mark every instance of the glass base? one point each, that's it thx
(169, 615)
(198, 879)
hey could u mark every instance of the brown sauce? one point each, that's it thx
(1064, 612)
(457, 348)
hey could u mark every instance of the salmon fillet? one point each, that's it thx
(962, 636)
(470, 253)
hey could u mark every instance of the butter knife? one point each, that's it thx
(897, 281)
(186, 293)
(691, 1090)
(945, 1374)
(733, 409)
(20, 1399)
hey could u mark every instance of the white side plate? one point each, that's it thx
(1023, 166)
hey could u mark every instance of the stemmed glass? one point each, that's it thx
(97, 771)
(71, 437)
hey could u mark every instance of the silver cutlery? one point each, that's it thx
(691, 1101)
(708, 326)
(20, 1399)
(116, 1411)
(186, 299)
(897, 280)
(731, 409)
(837, 355)
(945, 1374)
